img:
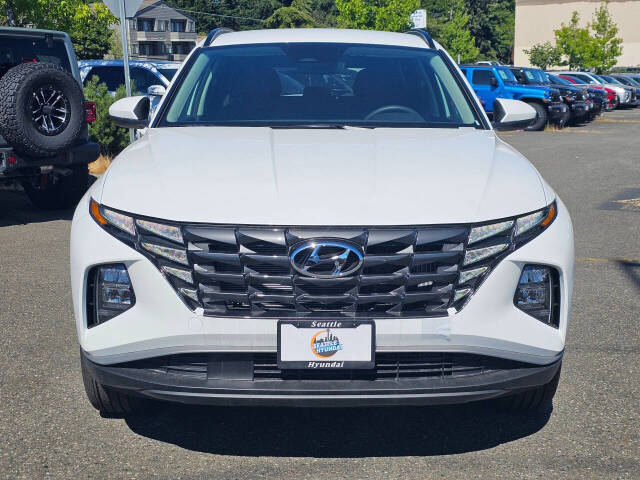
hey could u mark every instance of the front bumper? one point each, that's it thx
(557, 110)
(579, 109)
(218, 379)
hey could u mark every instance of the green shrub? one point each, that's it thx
(112, 139)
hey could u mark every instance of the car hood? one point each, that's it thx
(259, 175)
(536, 89)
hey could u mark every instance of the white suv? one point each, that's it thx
(320, 218)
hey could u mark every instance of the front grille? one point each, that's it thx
(264, 367)
(246, 271)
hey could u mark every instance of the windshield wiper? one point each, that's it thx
(336, 126)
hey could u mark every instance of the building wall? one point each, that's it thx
(164, 41)
(537, 19)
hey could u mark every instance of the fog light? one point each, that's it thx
(109, 293)
(538, 293)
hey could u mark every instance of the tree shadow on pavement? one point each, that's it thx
(16, 209)
(336, 433)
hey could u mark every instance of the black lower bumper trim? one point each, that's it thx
(232, 386)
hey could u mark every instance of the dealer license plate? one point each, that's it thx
(326, 344)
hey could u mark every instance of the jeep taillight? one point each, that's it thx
(90, 112)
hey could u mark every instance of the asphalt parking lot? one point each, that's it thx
(49, 430)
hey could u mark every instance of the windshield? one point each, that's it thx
(558, 80)
(633, 81)
(319, 84)
(611, 80)
(507, 76)
(168, 73)
(14, 51)
(535, 76)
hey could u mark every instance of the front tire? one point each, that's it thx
(540, 398)
(107, 401)
(541, 118)
(51, 191)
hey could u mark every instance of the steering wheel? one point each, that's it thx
(390, 108)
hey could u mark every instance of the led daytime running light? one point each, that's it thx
(486, 231)
(470, 274)
(473, 256)
(174, 254)
(166, 231)
(184, 275)
(463, 292)
(119, 220)
(542, 217)
(192, 294)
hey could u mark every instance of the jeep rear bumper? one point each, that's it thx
(12, 162)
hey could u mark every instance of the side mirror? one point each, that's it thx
(156, 90)
(493, 82)
(130, 112)
(512, 114)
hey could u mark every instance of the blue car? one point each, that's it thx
(143, 74)
(495, 81)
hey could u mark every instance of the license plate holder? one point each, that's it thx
(326, 345)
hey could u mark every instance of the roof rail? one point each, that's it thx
(213, 34)
(424, 35)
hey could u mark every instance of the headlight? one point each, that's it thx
(109, 293)
(538, 293)
(162, 243)
(488, 244)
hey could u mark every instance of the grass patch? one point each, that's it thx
(100, 165)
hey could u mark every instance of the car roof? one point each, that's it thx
(320, 35)
(120, 63)
(32, 32)
(481, 67)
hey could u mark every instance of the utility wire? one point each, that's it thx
(219, 15)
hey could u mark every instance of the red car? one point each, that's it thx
(612, 99)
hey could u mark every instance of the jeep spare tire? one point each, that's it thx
(41, 109)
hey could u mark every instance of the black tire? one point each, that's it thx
(107, 401)
(564, 120)
(41, 109)
(540, 398)
(56, 191)
(541, 118)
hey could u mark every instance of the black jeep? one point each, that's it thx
(44, 139)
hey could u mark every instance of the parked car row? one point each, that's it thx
(558, 98)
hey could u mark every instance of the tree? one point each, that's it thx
(91, 34)
(574, 42)
(297, 15)
(49, 14)
(88, 25)
(605, 46)
(456, 36)
(543, 55)
(389, 15)
(491, 24)
(112, 139)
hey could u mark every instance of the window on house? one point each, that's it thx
(178, 25)
(145, 25)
